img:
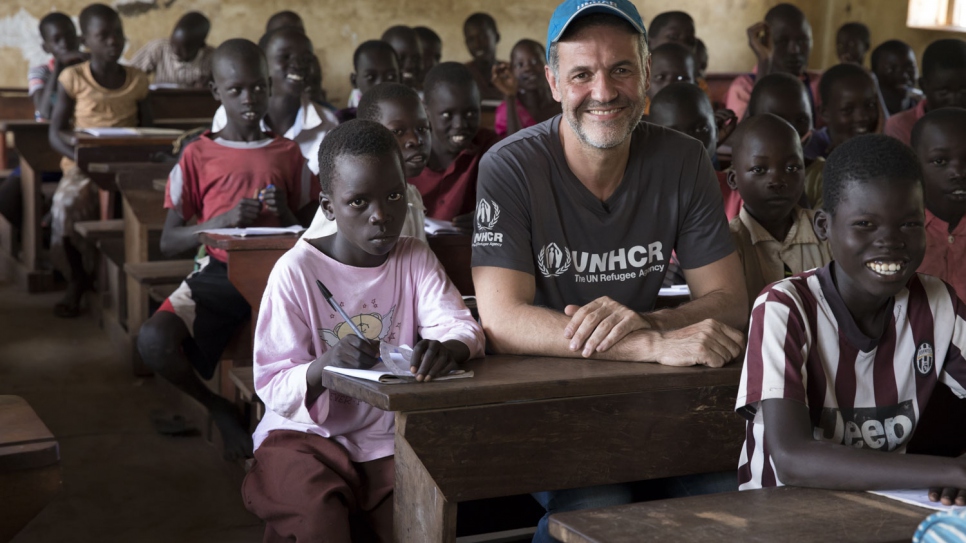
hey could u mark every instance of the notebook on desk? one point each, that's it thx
(116, 132)
(387, 377)
(257, 230)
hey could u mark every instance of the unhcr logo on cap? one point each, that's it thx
(571, 10)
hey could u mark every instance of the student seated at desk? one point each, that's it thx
(324, 461)
(939, 139)
(60, 41)
(432, 47)
(670, 63)
(97, 93)
(852, 43)
(291, 112)
(896, 71)
(373, 62)
(527, 98)
(842, 360)
(405, 43)
(773, 234)
(481, 37)
(239, 176)
(398, 108)
(181, 60)
(448, 183)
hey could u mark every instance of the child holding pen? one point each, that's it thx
(324, 461)
(238, 176)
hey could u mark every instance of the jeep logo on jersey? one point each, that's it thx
(487, 213)
(924, 359)
(553, 261)
(884, 428)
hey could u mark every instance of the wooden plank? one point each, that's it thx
(503, 378)
(181, 103)
(434, 517)
(25, 441)
(455, 253)
(93, 230)
(520, 447)
(774, 514)
(253, 243)
(159, 272)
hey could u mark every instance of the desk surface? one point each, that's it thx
(25, 441)
(500, 379)
(250, 243)
(82, 139)
(775, 514)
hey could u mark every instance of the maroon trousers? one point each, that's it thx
(306, 489)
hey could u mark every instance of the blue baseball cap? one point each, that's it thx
(571, 10)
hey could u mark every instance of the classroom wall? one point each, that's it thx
(337, 26)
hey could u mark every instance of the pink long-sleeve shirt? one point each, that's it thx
(408, 295)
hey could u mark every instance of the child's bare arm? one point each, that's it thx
(145, 117)
(59, 121)
(801, 460)
(177, 238)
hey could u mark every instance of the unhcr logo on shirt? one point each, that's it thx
(552, 261)
(487, 214)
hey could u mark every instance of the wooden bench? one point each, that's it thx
(773, 514)
(29, 465)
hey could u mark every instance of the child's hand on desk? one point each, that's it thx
(274, 199)
(352, 352)
(243, 214)
(431, 359)
(708, 343)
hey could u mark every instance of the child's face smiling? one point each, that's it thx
(667, 69)
(850, 48)
(289, 60)
(527, 65)
(481, 42)
(104, 38)
(410, 58)
(769, 173)
(942, 151)
(375, 67)
(695, 120)
(60, 39)
(368, 203)
(454, 113)
(242, 86)
(793, 107)
(852, 109)
(897, 70)
(945, 87)
(406, 119)
(877, 239)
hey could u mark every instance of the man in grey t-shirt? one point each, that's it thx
(577, 217)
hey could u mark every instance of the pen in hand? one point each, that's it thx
(335, 305)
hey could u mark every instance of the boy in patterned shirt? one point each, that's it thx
(842, 360)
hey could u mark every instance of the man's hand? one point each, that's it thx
(352, 352)
(600, 324)
(708, 342)
(431, 359)
(464, 222)
(504, 80)
(759, 39)
(243, 214)
(274, 199)
(726, 121)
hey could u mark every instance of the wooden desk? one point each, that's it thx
(773, 514)
(36, 157)
(15, 105)
(525, 424)
(455, 253)
(29, 465)
(182, 103)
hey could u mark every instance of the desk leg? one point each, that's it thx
(32, 208)
(421, 514)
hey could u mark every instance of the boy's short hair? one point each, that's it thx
(356, 138)
(267, 37)
(857, 29)
(888, 46)
(675, 50)
(368, 109)
(784, 12)
(836, 74)
(680, 93)
(372, 46)
(427, 34)
(238, 50)
(449, 73)
(778, 81)
(194, 22)
(950, 116)
(946, 54)
(54, 18)
(284, 14)
(862, 159)
(483, 19)
(744, 127)
(93, 11)
(663, 19)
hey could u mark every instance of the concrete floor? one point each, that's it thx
(121, 480)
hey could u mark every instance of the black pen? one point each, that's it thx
(335, 305)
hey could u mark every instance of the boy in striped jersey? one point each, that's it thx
(842, 360)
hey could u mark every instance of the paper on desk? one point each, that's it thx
(675, 290)
(257, 230)
(380, 374)
(919, 498)
(435, 227)
(114, 132)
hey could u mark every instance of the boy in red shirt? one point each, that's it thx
(237, 177)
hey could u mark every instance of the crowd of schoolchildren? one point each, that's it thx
(840, 186)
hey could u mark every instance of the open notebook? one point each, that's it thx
(257, 230)
(394, 368)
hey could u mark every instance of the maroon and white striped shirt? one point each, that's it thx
(804, 345)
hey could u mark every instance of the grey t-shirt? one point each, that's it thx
(535, 216)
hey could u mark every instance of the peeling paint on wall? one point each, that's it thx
(19, 31)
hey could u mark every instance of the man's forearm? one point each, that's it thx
(722, 306)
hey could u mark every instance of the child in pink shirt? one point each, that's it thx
(320, 456)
